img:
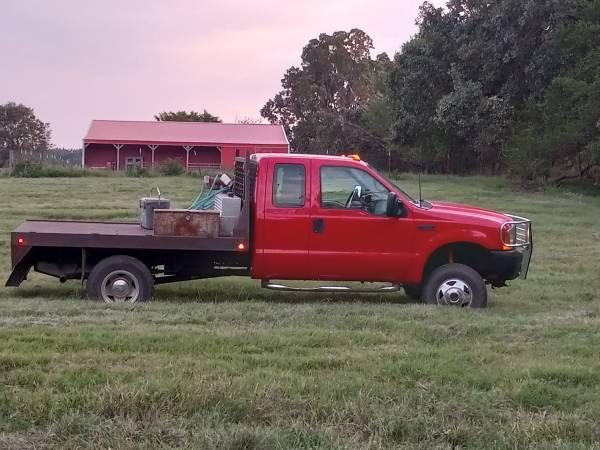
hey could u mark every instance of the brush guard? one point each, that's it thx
(523, 241)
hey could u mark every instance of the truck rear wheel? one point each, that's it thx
(455, 285)
(120, 279)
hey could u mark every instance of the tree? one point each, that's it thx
(248, 120)
(323, 102)
(22, 134)
(474, 125)
(184, 116)
(557, 136)
(461, 87)
(419, 78)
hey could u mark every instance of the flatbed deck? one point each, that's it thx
(71, 249)
(126, 235)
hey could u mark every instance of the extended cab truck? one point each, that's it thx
(303, 217)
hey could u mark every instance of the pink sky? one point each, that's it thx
(74, 61)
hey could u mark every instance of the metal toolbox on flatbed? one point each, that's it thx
(185, 222)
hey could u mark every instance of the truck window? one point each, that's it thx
(289, 185)
(339, 190)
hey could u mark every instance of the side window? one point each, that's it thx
(350, 188)
(289, 185)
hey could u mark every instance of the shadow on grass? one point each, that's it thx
(226, 292)
(212, 295)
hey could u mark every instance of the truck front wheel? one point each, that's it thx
(120, 279)
(455, 285)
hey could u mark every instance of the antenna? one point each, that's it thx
(420, 194)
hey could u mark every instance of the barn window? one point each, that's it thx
(237, 152)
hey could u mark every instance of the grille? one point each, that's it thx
(522, 237)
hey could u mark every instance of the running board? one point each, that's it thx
(281, 287)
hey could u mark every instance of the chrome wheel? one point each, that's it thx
(120, 286)
(454, 292)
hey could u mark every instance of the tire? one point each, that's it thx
(455, 285)
(412, 291)
(120, 278)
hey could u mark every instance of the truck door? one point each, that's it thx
(351, 236)
(284, 228)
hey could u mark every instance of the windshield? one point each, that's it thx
(399, 189)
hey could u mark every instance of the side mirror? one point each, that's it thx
(393, 206)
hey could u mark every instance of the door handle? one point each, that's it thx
(318, 225)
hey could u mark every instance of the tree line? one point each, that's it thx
(510, 86)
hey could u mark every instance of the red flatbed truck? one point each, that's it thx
(303, 217)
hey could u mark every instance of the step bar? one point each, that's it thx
(267, 284)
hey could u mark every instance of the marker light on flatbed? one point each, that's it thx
(20, 240)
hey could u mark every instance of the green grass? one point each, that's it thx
(221, 364)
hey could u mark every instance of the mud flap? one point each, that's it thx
(20, 270)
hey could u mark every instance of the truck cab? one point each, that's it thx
(336, 218)
(303, 217)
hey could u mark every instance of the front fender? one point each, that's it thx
(430, 239)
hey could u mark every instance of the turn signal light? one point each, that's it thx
(508, 235)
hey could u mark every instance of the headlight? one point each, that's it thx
(508, 235)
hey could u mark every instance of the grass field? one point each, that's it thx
(221, 364)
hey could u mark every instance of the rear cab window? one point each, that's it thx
(289, 185)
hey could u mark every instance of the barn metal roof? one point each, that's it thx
(119, 131)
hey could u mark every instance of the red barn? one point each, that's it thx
(119, 145)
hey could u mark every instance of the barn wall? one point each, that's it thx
(205, 157)
(135, 151)
(165, 152)
(230, 152)
(105, 155)
(100, 156)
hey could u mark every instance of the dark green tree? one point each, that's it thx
(419, 78)
(184, 116)
(459, 85)
(558, 134)
(22, 134)
(323, 102)
(474, 125)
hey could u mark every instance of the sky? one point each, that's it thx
(74, 61)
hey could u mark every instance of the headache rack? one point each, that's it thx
(521, 240)
(244, 180)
